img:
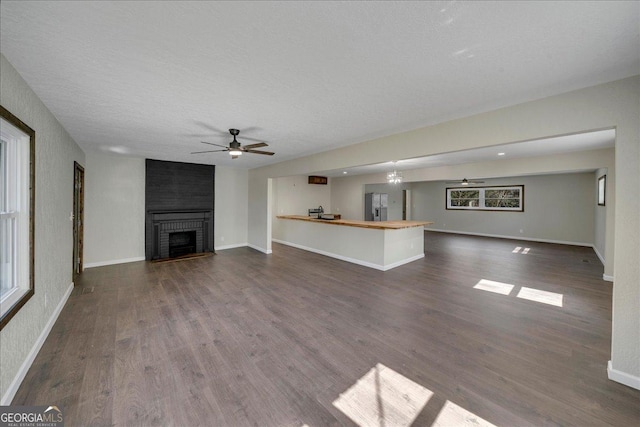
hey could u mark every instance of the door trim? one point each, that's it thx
(78, 220)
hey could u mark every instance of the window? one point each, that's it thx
(17, 173)
(509, 198)
(602, 186)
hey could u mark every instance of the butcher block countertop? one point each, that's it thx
(379, 225)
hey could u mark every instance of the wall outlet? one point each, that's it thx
(46, 300)
(521, 231)
(222, 238)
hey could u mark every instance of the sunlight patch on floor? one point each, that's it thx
(454, 415)
(383, 397)
(524, 251)
(538, 295)
(496, 287)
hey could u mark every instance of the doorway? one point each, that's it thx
(406, 205)
(78, 218)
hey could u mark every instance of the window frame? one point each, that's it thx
(481, 199)
(24, 248)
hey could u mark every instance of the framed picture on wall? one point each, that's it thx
(602, 186)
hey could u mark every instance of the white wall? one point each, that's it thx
(557, 208)
(293, 195)
(114, 209)
(600, 218)
(231, 207)
(260, 219)
(610, 105)
(55, 153)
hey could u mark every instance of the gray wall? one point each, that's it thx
(55, 153)
(556, 208)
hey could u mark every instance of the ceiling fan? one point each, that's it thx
(465, 181)
(236, 149)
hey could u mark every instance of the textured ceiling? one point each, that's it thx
(153, 79)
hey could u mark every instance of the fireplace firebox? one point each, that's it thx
(182, 243)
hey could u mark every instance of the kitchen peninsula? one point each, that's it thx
(382, 245)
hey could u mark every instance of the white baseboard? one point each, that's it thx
(403, 262)
(237, 245)
(622, 377)
(259, 249)
(22, 372)
(112, 262)
(598, 254)
(499, 236)
(351, 260)
(607, 278)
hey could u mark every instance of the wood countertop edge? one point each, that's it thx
(382, 225)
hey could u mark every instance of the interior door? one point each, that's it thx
(78, 218)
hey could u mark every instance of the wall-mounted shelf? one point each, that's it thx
(322, 180)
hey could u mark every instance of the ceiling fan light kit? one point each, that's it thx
(236, 149)
(465, 182)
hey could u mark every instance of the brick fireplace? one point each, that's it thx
(179, 227)
(179, 199)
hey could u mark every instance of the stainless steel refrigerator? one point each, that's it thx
(375, 206)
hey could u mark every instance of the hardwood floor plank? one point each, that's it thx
(244, 339)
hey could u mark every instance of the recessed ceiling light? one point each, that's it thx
(501, 154)
(345, 172)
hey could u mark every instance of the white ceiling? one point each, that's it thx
(153, 79)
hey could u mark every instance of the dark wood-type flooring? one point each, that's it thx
(242, 338)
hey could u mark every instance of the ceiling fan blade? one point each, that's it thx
(250, 139)
(258, 145)
(208, 151)
(211, 143)
(211, 128)
(267, 153)
(251, 129)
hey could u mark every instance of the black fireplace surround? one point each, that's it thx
(179, 209)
